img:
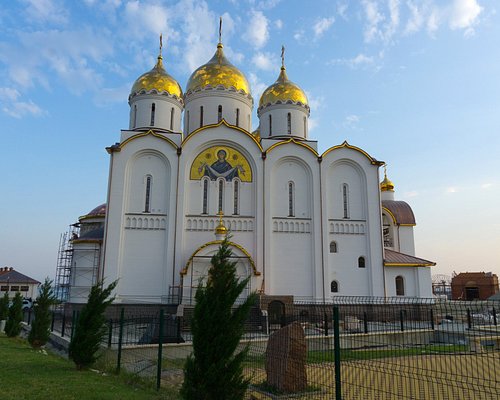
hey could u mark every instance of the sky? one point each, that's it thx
(414, 83)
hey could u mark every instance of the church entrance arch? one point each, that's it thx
(276, 311)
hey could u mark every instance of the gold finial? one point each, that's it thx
(220, 30)
(386, 184)
(385, 170)
(282, 57)
(221, 229)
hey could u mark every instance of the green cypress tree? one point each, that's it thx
(40, 328)
(13, 325)
(4, 306)
(214, 371)
(91, 326)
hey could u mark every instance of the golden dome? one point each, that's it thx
(157, 79)
(283, 90)
(218, 71)
(386, 185)
(220, 230)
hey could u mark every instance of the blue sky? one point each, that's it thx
(414, 83)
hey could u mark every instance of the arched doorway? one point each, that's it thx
(276, 311)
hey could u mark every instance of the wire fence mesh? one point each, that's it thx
(355, 348)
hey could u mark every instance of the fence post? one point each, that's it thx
(494, 312)
(432, 318)
(401, 320)
(52, 321)
(326, 324)
(160, 350)
(365, 321)
(120, 336)
(110, 333)
(469, 319)
(336, 352)
(63, 324)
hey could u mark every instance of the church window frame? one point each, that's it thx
(134, 117)
(399, 281)
(333, 247)
(153, 112)
(289, 123)
(201, 116)
(147, 194)
(305, 126)
(334, 286)
(291, 199)
(237, 117)
(220, 190)
(236, 194)
(270, 125)
(204, 206)
(187, 122)
(219, 113)
(361, 262)
(345, 200)
(172, 113)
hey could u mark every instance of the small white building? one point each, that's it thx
(12, 282)
(301, 223)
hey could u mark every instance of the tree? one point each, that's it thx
(214, 371)
(13, 325)
(40, 328)
(90, 326)
(4, 306)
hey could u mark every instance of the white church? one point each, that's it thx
(189, 171)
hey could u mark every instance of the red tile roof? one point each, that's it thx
(400, 212)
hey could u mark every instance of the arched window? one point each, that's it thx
(270, 125)
(289, 123)
(237, 117)
(205, 196)
(334, 287)
(400, 286)
(345, 199)
(187, 122)
(153, 108)
(291, 203)
(134, 117)
(201, 116)
(147, 201)
(219, 113)
(361, 262)
(333, 247)
(172, 112)
(221, 194)
(236, 184)
(305, 127)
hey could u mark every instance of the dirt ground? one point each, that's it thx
(457, 377)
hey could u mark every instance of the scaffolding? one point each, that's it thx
(64, 262)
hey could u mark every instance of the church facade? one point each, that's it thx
(189, 172)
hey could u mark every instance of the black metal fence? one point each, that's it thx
(357, 348)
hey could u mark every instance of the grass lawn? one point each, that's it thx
(30, 374)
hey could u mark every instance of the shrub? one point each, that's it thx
(214, 371)
(90, 327)
(4, 306)
(40, 328)
(13, 325)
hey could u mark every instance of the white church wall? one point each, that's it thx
(406, 240)
(83, 270)
(230, 102)
(141, 112)
(133, 234)
(409, 275)
(278, 125)
(291, 266)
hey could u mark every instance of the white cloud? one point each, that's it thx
(315, 102)
(312, 124)
(373, 18)
(266, 61)
(360, 61)
(416, 20)
(257, 86)
(451, 189)
(464, 14)
(9, 94)
(342, 10)
(278, 24)
(412, 193)
(321, 26)
(144, 18)
(43, 11)
(351, 120)
(108, 96)
(257, 33)
(487, 185)
(378, 25)
(299, 35)
(19, 109)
